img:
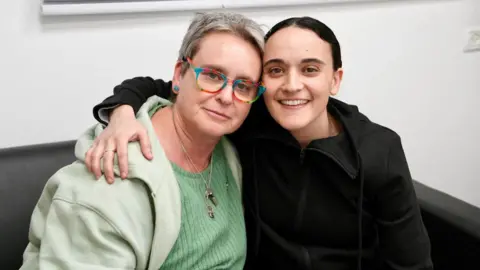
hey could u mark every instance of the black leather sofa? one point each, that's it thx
(453, 225)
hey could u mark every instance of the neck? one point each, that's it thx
(175, 132)
(323, 127)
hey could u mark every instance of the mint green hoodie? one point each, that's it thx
(81, 223)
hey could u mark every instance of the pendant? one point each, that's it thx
(209, 195)
(210, 211)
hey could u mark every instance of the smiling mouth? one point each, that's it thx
(217, 114)
(293, 102)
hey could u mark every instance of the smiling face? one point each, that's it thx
(299, 76)
(217, 114)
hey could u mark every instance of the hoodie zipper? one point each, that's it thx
(306, 255)
(302, 155)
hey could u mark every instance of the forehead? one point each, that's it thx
(230, 54)
(292, 44)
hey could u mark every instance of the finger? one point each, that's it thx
(97, 155)
(88, 157)
(145, 145)
(108, 158)
(122, 154)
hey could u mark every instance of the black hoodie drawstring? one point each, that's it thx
(256, 207)
(360, 214)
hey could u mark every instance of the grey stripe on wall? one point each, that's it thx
(98, 1)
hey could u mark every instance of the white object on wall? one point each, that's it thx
(53, 9)
(473, 43)
(128, 7)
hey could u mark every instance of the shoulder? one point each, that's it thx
(385, 164)
(364, 131)
(125, 204)
(379, 146)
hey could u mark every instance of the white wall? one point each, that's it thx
(404, 67)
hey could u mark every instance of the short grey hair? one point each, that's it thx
(206, 23)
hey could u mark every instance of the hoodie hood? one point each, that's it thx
(157, 174)
(135, 156)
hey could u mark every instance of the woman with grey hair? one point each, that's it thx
(182, 210)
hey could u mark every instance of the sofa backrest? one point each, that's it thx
(23, 174)
(453, 225)
(454, 229)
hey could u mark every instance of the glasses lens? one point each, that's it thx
(210, 80)
(245, 90)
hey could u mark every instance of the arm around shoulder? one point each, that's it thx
(404, 241)
(133, 92)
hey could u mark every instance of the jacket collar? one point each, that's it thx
(350, 118)
(344, 152)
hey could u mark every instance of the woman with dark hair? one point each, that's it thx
(324, 187)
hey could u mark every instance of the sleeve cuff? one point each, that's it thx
(104, 114)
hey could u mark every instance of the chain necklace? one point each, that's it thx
(208, 190)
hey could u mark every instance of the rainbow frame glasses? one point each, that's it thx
(212, 81)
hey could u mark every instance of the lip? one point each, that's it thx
(293, 106)
(217, 114)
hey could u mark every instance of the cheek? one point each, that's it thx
(194, 97)
(272, 86)
(271, 83)
(319, 86)
(190, 101)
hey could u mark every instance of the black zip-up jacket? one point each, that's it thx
(341, 203)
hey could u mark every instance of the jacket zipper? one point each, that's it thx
(306, 254)
(302, 155)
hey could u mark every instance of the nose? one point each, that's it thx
(226, 95)
(293, 82)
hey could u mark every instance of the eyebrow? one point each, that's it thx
(306, 60)
(222, 70)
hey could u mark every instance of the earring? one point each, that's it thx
(176, 88)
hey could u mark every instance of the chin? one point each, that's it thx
(292, 123)
(215, 129)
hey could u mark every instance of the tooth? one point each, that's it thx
(293, 102)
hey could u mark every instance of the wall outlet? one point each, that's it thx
(473, 43)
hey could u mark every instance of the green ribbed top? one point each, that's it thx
(203, 242)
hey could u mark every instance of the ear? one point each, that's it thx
(177, 76)
(337, 80)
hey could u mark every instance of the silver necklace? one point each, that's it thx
(209, 196)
